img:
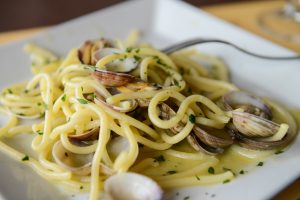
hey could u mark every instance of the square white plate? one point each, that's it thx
(163, 23)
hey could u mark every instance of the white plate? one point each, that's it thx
(165, 22)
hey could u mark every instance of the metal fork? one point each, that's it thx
(192, 42)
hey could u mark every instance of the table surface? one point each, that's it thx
(247, 13)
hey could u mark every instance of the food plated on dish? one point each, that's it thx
(113, 115)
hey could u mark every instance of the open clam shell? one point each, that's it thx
(248, 102)
(126, 64)
(75, 163)
(90, 135)
(253, 126)
(88, 48)
(112, 79)
(131, 186)
(198, 145)
(221, 141)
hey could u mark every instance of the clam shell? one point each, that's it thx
(87, 136)
(198, 145)
(131, 186)
(112, 79)
(253, 126)
(236, 99)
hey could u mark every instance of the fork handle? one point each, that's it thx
(192, 42)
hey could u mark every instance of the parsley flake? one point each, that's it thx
(260, 164)
(211, 170)
(64, 97)
(25, 158)
(197, 177)
(160, 158)
(172, 172)
(192, 118)
(9, 91)
(82, 101)
(226, 181)
(81, 187)
(39, 132)
(242, 172)
(186, 198)
(279, 152)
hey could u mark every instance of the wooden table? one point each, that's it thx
(241, 14)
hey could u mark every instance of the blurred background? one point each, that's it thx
(20, 14)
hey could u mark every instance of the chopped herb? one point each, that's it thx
(279, 152)
(137, 50)
(186, 198)
(63, 98)
(260, 164)
(160, 158)
(128, 49)
(137, 58)
(211, 170)
(39, 103)
(172, 172)
(121, 59)
(21, 114)
(176, 82)
(242, 172)
(39, 132)
(226, 181)
(213, 195)
(81, 88)
(9, 91)
(66, 154)
(197, 177)
(82, 101)
(192, 118)
(25, 158)
(46, 106)
(81, 187)
(26, 91)
(89, 67)
(181, 70)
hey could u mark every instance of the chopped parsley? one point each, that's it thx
(26, 91)
(279, 152)
(192, 118)
(9, 91)
(176, 83)
(172, 172)
(81, 187)
(226, 181)
(81, 88)
(89, 67)
(186, 198)
(82, 101)
(64, 97)
(39, 103)
(25, 158)
(128, 50)
(211, 170)
(137, 50)
(66, 154)
(260, 164)
(160, 158)
(137, 58)
(197, 177)
(242, 172)
(39, 132)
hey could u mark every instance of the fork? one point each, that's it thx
(188, 43)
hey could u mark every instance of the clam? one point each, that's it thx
(124, 106)
(125, 64)
(112, 79)
(131, 186)
(251, 125)
(87, 50)
(248, 102)
(198, 145)
(90, 135)
(75, 163)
